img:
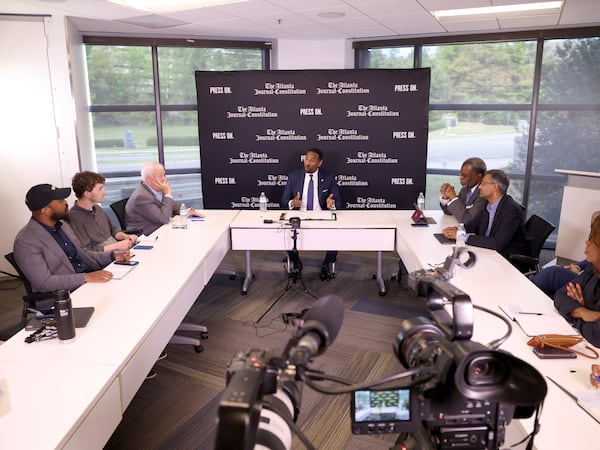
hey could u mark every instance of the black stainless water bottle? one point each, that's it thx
(63, 315)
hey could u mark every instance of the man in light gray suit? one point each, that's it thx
(151, 204)
(467, 205)
(48, 252)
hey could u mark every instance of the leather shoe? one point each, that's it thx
(325, 275)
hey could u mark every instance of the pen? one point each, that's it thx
(531, 313)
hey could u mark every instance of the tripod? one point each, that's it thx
(294, 274)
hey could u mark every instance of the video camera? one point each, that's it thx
(473, 392)
(261, 402)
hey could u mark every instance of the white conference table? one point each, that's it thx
(56, 395)
(491, 282)
(351, 231)
(87, 384)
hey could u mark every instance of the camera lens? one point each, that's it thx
(273, 431)
(417, 339)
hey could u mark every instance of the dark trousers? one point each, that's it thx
(330, 257)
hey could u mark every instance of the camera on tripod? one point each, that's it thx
(261, 402)
(472, 392)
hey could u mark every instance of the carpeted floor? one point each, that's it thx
(389, 309)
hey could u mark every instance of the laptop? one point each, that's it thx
(419, 218)
(80, 315)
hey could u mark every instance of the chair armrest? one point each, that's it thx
(42, 301)
(524, 259)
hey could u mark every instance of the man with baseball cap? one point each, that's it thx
(47, 250)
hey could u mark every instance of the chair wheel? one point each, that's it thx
(204, 335)
(382, 293)
(199, 348)
(232, 277)
(374, 277)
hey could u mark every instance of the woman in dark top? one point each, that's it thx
(579, 300)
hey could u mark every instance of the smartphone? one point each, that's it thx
(553, 353)
(126, 263)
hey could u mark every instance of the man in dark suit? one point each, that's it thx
(500, 226)
(313, 188)
(152, 205)
(468, 204)
(47, 250)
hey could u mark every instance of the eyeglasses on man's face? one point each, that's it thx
(487, 182)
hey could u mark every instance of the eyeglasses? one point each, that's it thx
(487, 182)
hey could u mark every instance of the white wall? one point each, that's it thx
(37, 117)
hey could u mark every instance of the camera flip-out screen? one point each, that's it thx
(383, 411)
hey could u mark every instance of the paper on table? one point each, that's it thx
(144, 238)
(119, 271)
(589, 399)
(549, 322)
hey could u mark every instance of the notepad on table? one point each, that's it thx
(119, 272)
(534, 323)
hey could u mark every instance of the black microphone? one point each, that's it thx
(321, 326)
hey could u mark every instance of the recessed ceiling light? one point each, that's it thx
(163, 7)
(520, 7)
(331, 15)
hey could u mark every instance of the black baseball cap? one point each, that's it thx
(41, 194)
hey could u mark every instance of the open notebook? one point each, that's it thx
(534, 323)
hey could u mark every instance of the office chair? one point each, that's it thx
(32, 301)
(537, 230)
(118, 208)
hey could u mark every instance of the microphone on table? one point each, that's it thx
(320, 327)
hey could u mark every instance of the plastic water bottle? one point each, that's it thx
(262, 202)
(183, 213)
(461, 235)
(421, 201)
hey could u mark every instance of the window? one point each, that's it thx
(485, 101)
(143, 106)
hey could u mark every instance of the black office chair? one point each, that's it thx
(537, 230)
(118, 208)
(32, 301)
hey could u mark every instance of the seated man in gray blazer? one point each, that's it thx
(151, 204)
(467, 205)
(47, 250)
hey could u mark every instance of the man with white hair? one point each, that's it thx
(151, 204)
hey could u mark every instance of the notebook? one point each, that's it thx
(80, 315)
(534, 323)
(119, 271)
